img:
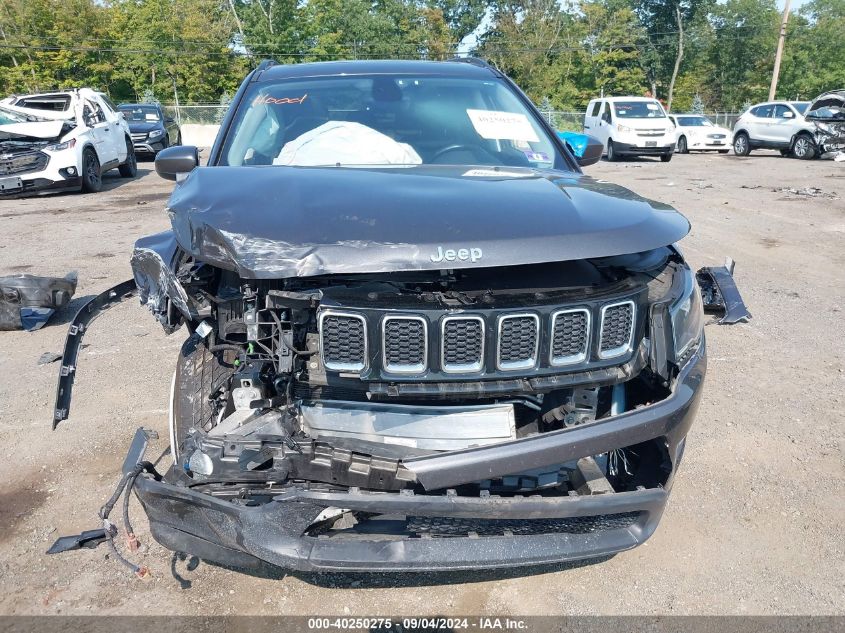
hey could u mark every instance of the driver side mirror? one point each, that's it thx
(606, 117)
(169, 120)
(788, 114)
(177, 161)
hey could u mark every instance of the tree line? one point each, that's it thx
(718, 55)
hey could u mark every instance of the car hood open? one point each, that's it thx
(274, 222)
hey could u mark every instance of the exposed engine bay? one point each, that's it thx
(341, 380)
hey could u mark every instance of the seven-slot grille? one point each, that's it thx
(462, 344)
(344, 341)
(570, 336)
(460, 340)
(404, 344)
(518, 340)
(616, 329)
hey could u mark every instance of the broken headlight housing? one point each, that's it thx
(687, 315)
(58, 147)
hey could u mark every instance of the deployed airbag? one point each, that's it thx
(346, 143)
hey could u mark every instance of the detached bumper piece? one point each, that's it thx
(444, 522)
(720, 294)
(27, 302)
(406, 532)
(87, 313)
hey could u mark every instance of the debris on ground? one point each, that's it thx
(27, 302)
(720, 294)
(810, 192)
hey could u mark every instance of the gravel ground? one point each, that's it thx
(754, 525)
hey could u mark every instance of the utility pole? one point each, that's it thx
(774, 86)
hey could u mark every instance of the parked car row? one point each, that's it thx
(67, 140)
(639, 126)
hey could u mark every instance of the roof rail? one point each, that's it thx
(475, 61)
(266, 63)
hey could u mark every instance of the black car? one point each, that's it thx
(417, 336)
(152, 131)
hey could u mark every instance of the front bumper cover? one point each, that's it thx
(244, 536)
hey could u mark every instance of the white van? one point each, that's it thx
(630, 126)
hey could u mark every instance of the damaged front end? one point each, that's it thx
(373, 407)
(420, 421)
(827, 114)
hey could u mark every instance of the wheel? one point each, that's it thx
(129, 168)
(804, 147)
(665, 158)
(682, 145)
(742, 147)
(199, 376)
(612, 154)
(92, 179)
(178, 138)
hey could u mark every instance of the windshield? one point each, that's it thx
(7, 117)
(638, 110)
(694, 121)
(141, 113)
(387, 120)
(801, 106)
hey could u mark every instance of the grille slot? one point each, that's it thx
(457, 527)
(343, 338)
(518, 339)
(617, 329)
(570, 336)
(462, 344)
(405, 344)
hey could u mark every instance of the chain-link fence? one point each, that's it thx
(574, 121)
(212, 114)
(202, 114)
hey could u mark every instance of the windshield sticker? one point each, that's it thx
(651, 106)
(267, 99)
(537, 157)
(496, 173)
(493, 125)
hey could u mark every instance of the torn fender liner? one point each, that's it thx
(87, 313)
(27, 302)
(720, 294)
(271, 222)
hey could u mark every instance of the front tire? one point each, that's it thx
(665, 158)
(742, 145)
(199, 375)
(92, 179)
(804, 148)
(129, 168)
(612, 154)
(682, 145)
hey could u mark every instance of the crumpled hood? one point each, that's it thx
(32, 129)
(275, 222)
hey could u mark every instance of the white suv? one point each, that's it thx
(775, 125)
(630, 126)
(62, 140)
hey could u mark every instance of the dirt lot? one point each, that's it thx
(754, 525)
